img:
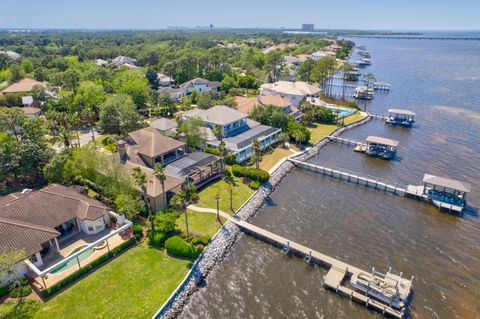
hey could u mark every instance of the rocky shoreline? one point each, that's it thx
(224, 240)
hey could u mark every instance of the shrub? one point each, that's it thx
(238, 171)
(211, 150)
(157, 238)
(166, 221)
(4, 291)
(254, 185)
(205, 240)
(137, 231)
(179, 247)
(21, 291)
(252, 173)
(231, 159)
(87, 268)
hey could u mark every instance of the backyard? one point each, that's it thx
(319, 131)
(241, 193)
(142, 278)
(200, 224)
(269, 160)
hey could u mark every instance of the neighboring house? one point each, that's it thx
(291, 60)
(303, 57)
(25, 85)
(164, 80)
(101, 62)
(41, 223)
(173, 93)
(318, 55)
(146, 147)
(12, 55)
(295, 92)
(246, 104)
(124, 60)
(238, 132)
(31, 111)
(200, 85)
(165, 126)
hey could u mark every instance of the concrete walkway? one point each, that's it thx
(208, 210)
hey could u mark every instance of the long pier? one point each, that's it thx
(341, 140)
(338, 272)
(366, 181)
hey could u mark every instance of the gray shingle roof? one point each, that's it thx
(221, 115)
(163, 124)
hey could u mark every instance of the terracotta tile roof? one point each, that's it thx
(25, 85)
(152, 144)
(274, 100)
(23, 236)
(245, 104)
(31, 110)
(29, 220)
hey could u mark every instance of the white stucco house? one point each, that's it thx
(295, 92)
(200, 85)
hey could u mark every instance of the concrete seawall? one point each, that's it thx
(226, 236)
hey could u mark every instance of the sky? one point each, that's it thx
(158, 14)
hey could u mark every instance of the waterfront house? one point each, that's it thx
(295, 92)
(145, 147)
(200, 85)
(48, 224)
(238, 132)
(247, 104)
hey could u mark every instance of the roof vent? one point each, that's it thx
(26, 191)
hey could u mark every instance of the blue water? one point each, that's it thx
(438, 80)
(73, 262)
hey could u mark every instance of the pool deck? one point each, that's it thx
(67, 247)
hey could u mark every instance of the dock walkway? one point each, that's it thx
(336, 275)
(366, 181)
(341, 140)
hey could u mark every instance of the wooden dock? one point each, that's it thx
(377, 117)
(366, 181)
(338, 270)
(341, 140)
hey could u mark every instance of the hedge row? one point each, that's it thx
(178, 247)
(137, 232)
(250, 172)
(85, 269)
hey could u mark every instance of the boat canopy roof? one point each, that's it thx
(382, 140)
(401, 111)
(381, 83)
(448, 183)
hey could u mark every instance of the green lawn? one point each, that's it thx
(269, 160)
(319, 131)
(200, 224)
(240, 195)
(134, 285)
(357, 116)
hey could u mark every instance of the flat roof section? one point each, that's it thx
(382, 140)
(401, 111)
(448, 183)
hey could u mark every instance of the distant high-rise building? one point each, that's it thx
(308, 27)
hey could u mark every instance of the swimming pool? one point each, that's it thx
(73, 262)
(343, 112)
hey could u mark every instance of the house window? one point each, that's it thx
(90, 227)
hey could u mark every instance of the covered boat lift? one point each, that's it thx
(445, 193)
(379, 147)
(400, 117)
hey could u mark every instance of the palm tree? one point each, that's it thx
(217, 131)
(182, 199)
(179, 202)
(160, 175)
(257, 155)
(217, 198)
(141, 181)
(230, 185)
